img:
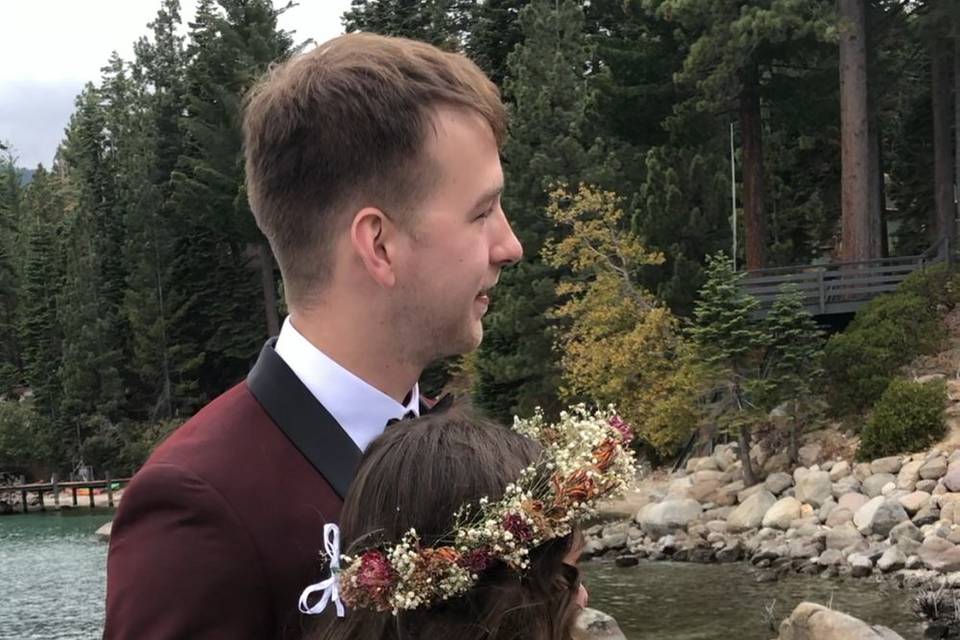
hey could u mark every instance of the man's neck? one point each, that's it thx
(362, 350)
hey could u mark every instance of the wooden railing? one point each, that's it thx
(841, 287)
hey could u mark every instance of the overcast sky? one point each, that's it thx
(50, 48)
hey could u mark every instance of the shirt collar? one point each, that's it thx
(359, 407)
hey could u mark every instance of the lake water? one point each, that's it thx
(52, 583)
(52, 575)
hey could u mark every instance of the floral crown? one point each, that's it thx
(585, 457)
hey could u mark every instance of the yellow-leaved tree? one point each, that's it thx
(617, 343)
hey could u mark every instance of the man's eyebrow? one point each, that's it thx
(488, 196)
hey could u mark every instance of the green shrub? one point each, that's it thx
(936, 284)
(23, 434)
(887, 333)
(908, 417)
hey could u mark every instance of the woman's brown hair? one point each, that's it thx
(416, 475)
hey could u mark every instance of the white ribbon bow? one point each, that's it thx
(331, 586)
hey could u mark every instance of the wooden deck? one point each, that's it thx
(55, 488)
(841, 287)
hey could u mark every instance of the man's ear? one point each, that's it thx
(372, 236)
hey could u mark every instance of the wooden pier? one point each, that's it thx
(55, 488)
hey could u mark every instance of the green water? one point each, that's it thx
(683, 601)
(52, 576)
(52, 582)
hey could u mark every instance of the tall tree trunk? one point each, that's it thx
(956, 115)
(943, 170)
(854, 134)
(877, 206)
(751, 133)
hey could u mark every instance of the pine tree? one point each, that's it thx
(731, 341)
(10, 221)
(440, 22)
(493, 35)
(794, 358)
(552, 142)
(217, 319)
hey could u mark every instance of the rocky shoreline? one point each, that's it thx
(895, 518)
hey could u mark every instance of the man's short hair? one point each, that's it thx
(345, 126)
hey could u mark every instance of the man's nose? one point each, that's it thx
(507, 249)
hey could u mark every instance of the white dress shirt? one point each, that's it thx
(360, 408)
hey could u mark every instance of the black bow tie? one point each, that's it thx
(440, 405)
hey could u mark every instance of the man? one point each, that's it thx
(373, 169)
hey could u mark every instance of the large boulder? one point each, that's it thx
(664, 517)
(749, 515)
(782, 513)
(893, 559)
(809, 454)
(913, 502)
(909, 475)
(886, 465)
(777, 483)
(839, 516)
(879, 516)
(940, 555)
(815, 622)
(595, 625)
(839, 470)
(814, 488)
(725, 456)
(934, 468)
(852, 501)
(843, 536)
(873, 486)
(952, 480)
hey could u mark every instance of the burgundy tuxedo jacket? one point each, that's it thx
(220, 531)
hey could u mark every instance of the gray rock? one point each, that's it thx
(873, 486)
(940, 555)
(809, 454)
(839, 516)
(595, 625)
(706, 463)
(103, 533)
(879, 516)
(745, 494)
(726, 496)
(843, 537)
(893, 559)
(926, 485)
(934, 468)
(814, 488)
(749, 515)
(830, 557)
(952, 480)
(862, 471)
(890, 465)
(826, 509)
(725, 456)
(731, 552)
(909, 475)
(782, 513)
(661, 518)
(905, 530)
(927, 515)
(913, 502)
(845, 485)
(852, 501)
(860, 565)
(839, 470)
(777, 483)
(815, 622)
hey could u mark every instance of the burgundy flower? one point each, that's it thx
(515, 524)
(477, 560)
(624, 429)
(375, 572)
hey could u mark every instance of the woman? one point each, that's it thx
(460, 528)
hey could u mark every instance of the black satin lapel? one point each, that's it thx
(307, 424)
